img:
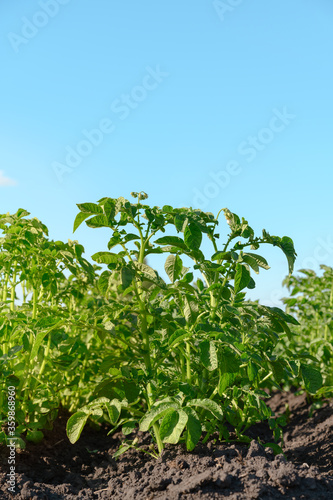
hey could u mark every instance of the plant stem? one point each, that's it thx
(215, 301)
(267, 377)
(203, 381)
(331, 306)
(76, 401)
(159, 441)
(188, 362)
(213, 393)
(182, 367)
(46, 353)
(12, 294)
(155, 426)
(5, 341)
(145, 340)
(34, 303)
(5, 287)
(24, 292)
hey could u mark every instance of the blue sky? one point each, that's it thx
(204, 104)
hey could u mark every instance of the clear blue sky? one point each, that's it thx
(204, 104)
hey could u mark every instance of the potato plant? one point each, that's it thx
(187, 357)
(311, 302)
(114, 342)
(42, 355)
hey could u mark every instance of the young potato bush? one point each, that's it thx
(114, 342)
(44, 356)
(311, 302)
(187, 357)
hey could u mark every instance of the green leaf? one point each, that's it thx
(225, 381)
(106, 258)
(114, 410)
(39, 339)
(34, 436)
(149, 215)
(131, 237)
(75, 425)
(214, 286)
(115, 240)
(122, 449)
(178, 336)
(22, 213)
(127, 276)
(156, 413)
(290, 302)
(287, 245)
(90, 208)
(97, 412)
(312, 378)
(208, 355)
(81, 216)
(109, 208)
(131, 389)
(229, 362)
(252, 284)
(286, 317)
(180, 221)
(277, 450)
(153, 292)
(261, 261)
(98, 221)
(129, 426)
(209, 405)
(278, 369)
(191, 309)
(252, 370)
(226, 293)
(228, 368)
(46, 279)
(172, 426)
(103, 281)
(148, 273)
(251, 262)
(242, 278)
(193, 429)
(173, 267)
(221, 256)
(167, 208)
(175, 241)
(97, 402)
(247, 231)
(193, 236)
(188, 277)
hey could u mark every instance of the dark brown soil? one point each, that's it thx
(55, 469)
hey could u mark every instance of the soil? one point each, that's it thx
(55, 469)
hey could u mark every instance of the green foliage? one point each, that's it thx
(199, 354)
(311, 302)
(44, 354)
(114, 342)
